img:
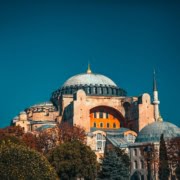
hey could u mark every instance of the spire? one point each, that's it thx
(156, 100)
(154, 82)
(89, 69)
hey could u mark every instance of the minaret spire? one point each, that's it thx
(89, 69)
(154, 82)
(156, 100)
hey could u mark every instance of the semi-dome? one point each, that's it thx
(89, 79)
(153, 131)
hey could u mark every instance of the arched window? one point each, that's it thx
(107, 90)
(94, 124)
(88, 90)
(101, 114)
(135, 152)
(114, 125)
(100, 142)
(142, 164)
(107, 115)
(100, 90)
(135, 165)
(95, 115)
(130, 138)
(95, 90)
(101, 124)
(107, 125)
(112, 91)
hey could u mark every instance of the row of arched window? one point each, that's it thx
(141, 164)
(101, 125)
(101, 114)
(91, 90)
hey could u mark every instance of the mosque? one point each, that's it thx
(106, 112)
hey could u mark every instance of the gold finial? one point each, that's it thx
(89, 69)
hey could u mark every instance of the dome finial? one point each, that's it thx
(89, 69)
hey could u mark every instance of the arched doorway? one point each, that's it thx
(105, 117)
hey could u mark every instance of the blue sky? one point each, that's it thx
(43, 43)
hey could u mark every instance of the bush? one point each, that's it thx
(20, 162)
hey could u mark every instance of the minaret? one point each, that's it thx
(89, 69)
(156, 100)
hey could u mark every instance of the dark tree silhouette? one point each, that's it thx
(164, 171)
(74, 160)
(115, 165)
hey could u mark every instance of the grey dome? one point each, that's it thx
(92, 84)
(89, 79)
(152, 132)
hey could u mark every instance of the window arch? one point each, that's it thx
(95, 90)
(95, 115)
(108, 125)
(101, 124)
(101, 114)
(135, 152)
(142, 164)
(135, 165)
(107, 90)
(94, 124)
(114, 125)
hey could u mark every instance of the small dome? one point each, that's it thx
(89, 79)
(47, 103)
(22, 112)
(152, 132)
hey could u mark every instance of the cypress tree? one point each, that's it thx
(115, 165)
(164, 171)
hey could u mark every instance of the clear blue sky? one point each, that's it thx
(43, 43)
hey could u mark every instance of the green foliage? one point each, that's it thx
(19, 162)
(10, 138)
(115, 165)
(164, 171)
(74, 160)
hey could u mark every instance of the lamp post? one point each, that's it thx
(148, 150)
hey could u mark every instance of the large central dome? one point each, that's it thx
(92, 84)
(89, 79)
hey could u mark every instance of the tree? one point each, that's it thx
(31, 141)
(17, 131)
(163, 160)
(74, 160)
(115, 165)
(19, 162)
(9, 138)
(177, 171)
(150, 153)
(173, 151)
(69, 133)
(47, 140)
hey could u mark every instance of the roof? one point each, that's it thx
(153, 131)
(46, 126)
(117, 141)
(111, 131)
(89, 79)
